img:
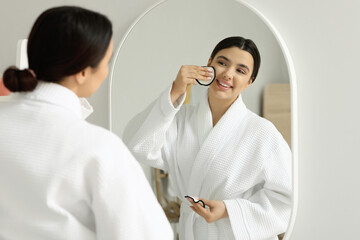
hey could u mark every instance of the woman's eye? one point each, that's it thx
(241, 71)
(221, 63)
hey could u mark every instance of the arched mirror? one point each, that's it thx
(177, 32)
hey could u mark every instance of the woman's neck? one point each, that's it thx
(218, 108)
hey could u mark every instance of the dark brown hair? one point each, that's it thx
(63, 41)
(243, 44)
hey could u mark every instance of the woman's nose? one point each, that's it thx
(228, 75)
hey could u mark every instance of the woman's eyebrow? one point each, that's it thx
(241, 65)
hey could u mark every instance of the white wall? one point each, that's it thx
(323, 38)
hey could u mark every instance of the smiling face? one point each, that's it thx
(233, 74)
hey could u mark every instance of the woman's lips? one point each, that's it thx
(223, 85)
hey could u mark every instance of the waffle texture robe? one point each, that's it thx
(64, 178)
(243, 160)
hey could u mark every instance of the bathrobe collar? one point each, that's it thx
(57, 94)
(213, 139)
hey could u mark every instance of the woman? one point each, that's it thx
(235, 161)
(60, 176)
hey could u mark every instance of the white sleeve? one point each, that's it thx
(123, 203)
(150, 132)
(266, 212)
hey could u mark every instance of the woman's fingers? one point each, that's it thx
(215, 211)
(204, 73)
(193, 72)
(209, 203)
(201, 76)
(203, 212)
(186, 76)
(199, 209)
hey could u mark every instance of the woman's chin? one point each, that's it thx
(221, 95)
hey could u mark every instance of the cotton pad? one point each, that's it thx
(207, 82)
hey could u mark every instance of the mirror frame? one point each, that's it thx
(293, 91)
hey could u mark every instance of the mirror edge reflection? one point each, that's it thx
(293, 90)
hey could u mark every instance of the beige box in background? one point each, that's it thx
(277, 108)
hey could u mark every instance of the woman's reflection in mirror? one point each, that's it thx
(231, 159)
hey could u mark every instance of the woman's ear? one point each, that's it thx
(82, 76)
(251, 80)
(209, 62)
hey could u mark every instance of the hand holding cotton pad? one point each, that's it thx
(207, 82)
(196, 200)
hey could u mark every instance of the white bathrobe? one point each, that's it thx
(243, 161)
(63, 178)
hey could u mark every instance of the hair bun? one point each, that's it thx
(19, 80)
